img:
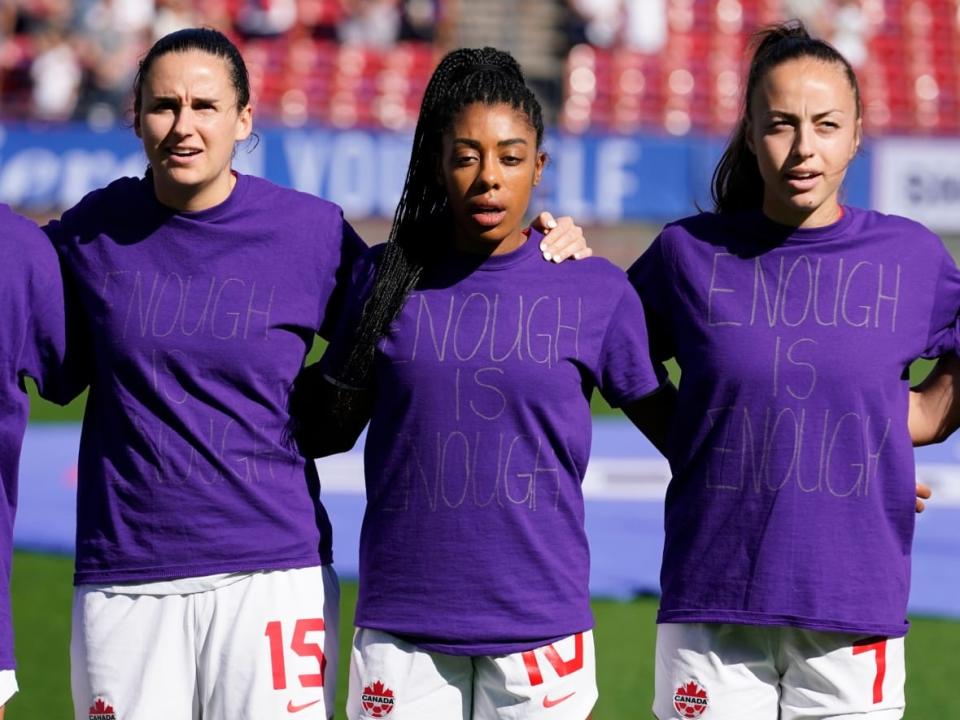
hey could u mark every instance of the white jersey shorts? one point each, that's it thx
(718, 671)
(393, 679)
(250, 646)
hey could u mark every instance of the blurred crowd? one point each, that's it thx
(602, 64)
(76, 59)
(643, 25)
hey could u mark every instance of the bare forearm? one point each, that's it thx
(934, 408)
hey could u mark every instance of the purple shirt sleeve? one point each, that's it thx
(625, 371)
(651, 275)
(350, 250)
(942, 337)
(353, 300)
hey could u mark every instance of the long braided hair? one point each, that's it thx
(421, 224)
(737, 184)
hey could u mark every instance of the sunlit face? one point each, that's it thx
(489, 166)
(804, 129)
(189, 122)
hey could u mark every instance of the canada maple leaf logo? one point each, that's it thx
(100, 710)
(377, 700)
(690, 700)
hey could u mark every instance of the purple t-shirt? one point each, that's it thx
(473, 540)
(792, 499)
(32, 342)
(199, 322)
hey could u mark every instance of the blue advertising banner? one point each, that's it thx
(595, 178)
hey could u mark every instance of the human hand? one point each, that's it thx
(562, 238)
(923, 493)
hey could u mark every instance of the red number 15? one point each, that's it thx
(301, 647)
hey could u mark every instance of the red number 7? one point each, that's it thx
(878, 646)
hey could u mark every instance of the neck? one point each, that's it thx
(191, 199)
(467, 241)
(826, 214)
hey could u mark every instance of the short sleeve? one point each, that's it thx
(943, 335)
(349, 250)
(355, 297)
(68, 228)
(625, 371)
(51, 352)
(650, 275)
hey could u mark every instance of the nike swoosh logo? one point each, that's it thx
(548, 703)
(291, 708)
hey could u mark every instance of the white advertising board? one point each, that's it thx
(920, 179)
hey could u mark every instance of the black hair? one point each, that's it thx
(737, 184)
(463, 77)
(208, 40)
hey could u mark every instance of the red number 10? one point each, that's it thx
(560, 666)
(301, 647)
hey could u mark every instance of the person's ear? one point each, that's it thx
(857, 137)
(538, 168)
(244, 123)
(748, 136)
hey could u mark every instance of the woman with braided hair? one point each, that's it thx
(475, 364)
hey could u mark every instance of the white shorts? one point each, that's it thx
(769, 673)
(264, 645)
(392, 679)
(8, 686)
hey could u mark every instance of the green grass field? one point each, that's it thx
(624, 639)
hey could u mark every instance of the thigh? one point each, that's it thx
(390, 677)
(556, 681)
(132, 656)
(271, 646)
(836, 675)
(715, 671)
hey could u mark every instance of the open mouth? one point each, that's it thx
(182, 153)
(487, 214)
(804, 180)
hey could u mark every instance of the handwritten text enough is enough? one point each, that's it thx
(158, 305)
(492, 328)
(803, 290)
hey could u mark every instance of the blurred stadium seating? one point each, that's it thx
(693, 83)
(344, 63)
(365, 63)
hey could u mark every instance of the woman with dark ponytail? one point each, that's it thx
(476, 362)
(794, 319)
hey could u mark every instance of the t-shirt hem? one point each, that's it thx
(477, 649)
(638, 393)
(766, 619)
(155, 574)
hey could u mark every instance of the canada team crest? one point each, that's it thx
(377, 700)
(100, 710)
(690, 700)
